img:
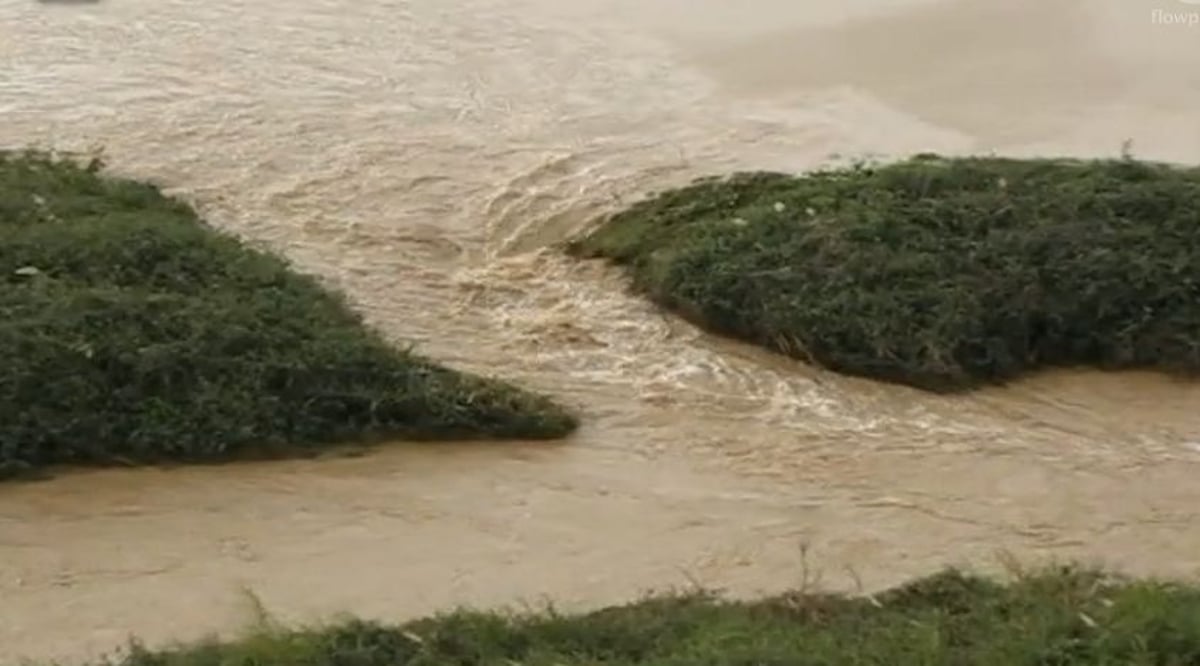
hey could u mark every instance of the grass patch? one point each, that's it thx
(939, 273)
(133, 333)
(1057, 617)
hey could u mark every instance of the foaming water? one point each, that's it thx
(427, 156)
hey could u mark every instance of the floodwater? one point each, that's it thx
(426, 156)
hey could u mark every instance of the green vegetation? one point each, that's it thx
(1059, 617)
(133, 333)
(939, 273)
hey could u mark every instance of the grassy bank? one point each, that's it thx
(131, 332)
(939, 273)
(1055, 618)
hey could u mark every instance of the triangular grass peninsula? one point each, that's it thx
(940, 273)
(132, 332)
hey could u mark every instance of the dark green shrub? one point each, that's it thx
(939, 273)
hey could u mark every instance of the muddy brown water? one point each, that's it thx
(425, 155)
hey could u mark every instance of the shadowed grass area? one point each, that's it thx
(934, 272)
(1059, 617)
(132, 332)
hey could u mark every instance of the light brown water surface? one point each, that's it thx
(424, 155)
